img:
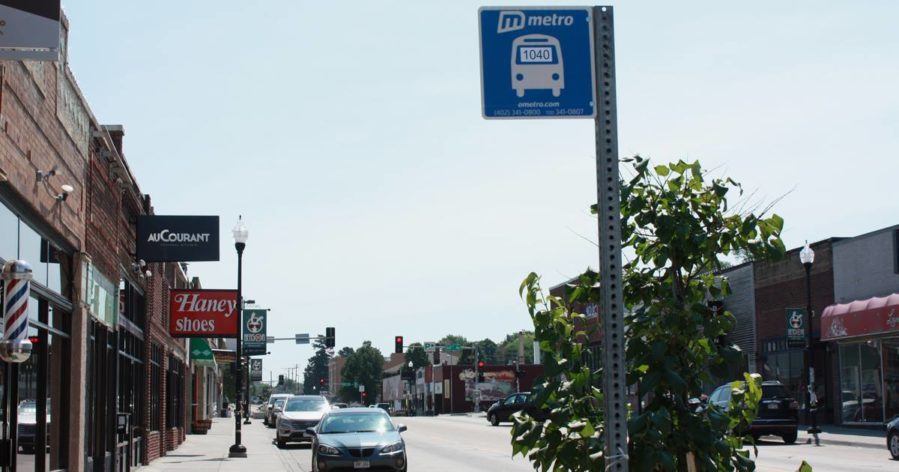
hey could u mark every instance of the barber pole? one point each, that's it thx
(14, 345)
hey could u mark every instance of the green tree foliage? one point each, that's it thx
(572, 440)
(364, 367)
(453, 339)
(345, 352)
(416, 353)
(507, 352)
(316, 369)
(488, 351)
(677, 225)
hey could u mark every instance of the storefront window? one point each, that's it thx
(785, 366)
(9, 234)
(860, 383)
(891, 377)
(30, 250)
(28, 417)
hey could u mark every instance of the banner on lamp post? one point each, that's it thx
(254, 332)
(255, 370)
(796, 327)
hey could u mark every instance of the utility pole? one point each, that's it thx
(476, 392)
(520, 348)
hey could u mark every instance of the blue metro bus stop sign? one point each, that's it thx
(537, 62)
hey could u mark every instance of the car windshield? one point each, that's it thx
(306, 404)
(774, 391)
(356, 423)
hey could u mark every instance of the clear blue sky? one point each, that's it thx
(349, 135)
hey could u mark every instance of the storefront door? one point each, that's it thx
(890, 349)
(861, 387)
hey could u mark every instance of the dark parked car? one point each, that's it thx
(383, 406)
(778, 413)
(503, 409)
(893, 437)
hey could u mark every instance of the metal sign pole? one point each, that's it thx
(609, 216)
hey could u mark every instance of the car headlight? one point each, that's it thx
(328, 450)
(393, 448)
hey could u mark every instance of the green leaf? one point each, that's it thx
(662, 170)
(587, 431)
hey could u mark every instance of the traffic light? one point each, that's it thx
(398, 345)
(480, 376)
(481, 364)
(436, 355)
(281, 379)
(329, 336)
(321, 381)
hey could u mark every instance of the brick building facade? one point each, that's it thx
(98, 317)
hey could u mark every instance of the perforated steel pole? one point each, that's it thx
(609, 216)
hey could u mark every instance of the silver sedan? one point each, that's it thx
(358, 438)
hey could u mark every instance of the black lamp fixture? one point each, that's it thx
(240, 234)
(807, 257)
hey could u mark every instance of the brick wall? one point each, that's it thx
(780, 285)
(33, 138)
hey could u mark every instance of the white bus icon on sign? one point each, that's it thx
(537, 64)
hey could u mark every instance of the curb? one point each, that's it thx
(842, 442)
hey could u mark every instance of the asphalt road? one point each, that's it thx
(469, 444)
(443, 443)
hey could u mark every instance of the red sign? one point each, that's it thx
(203, 313)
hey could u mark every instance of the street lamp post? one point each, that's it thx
(240, 242)
(807, 257)
(247, 358)
(410, 400)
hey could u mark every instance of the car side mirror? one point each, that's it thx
(310, 431)
(401, 428)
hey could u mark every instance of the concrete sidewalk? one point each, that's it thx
(209, 452)
(843, 436)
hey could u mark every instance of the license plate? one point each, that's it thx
(361, 464)
(773, 406)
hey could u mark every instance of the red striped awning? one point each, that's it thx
(869, 317)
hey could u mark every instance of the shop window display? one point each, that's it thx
(861, 388)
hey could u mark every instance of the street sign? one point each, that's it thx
(537, 62)
(255, 370)
(796, 327)
(452, 347)
(361, 388)
(302, 338)
(429, 346)
(254, 327)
